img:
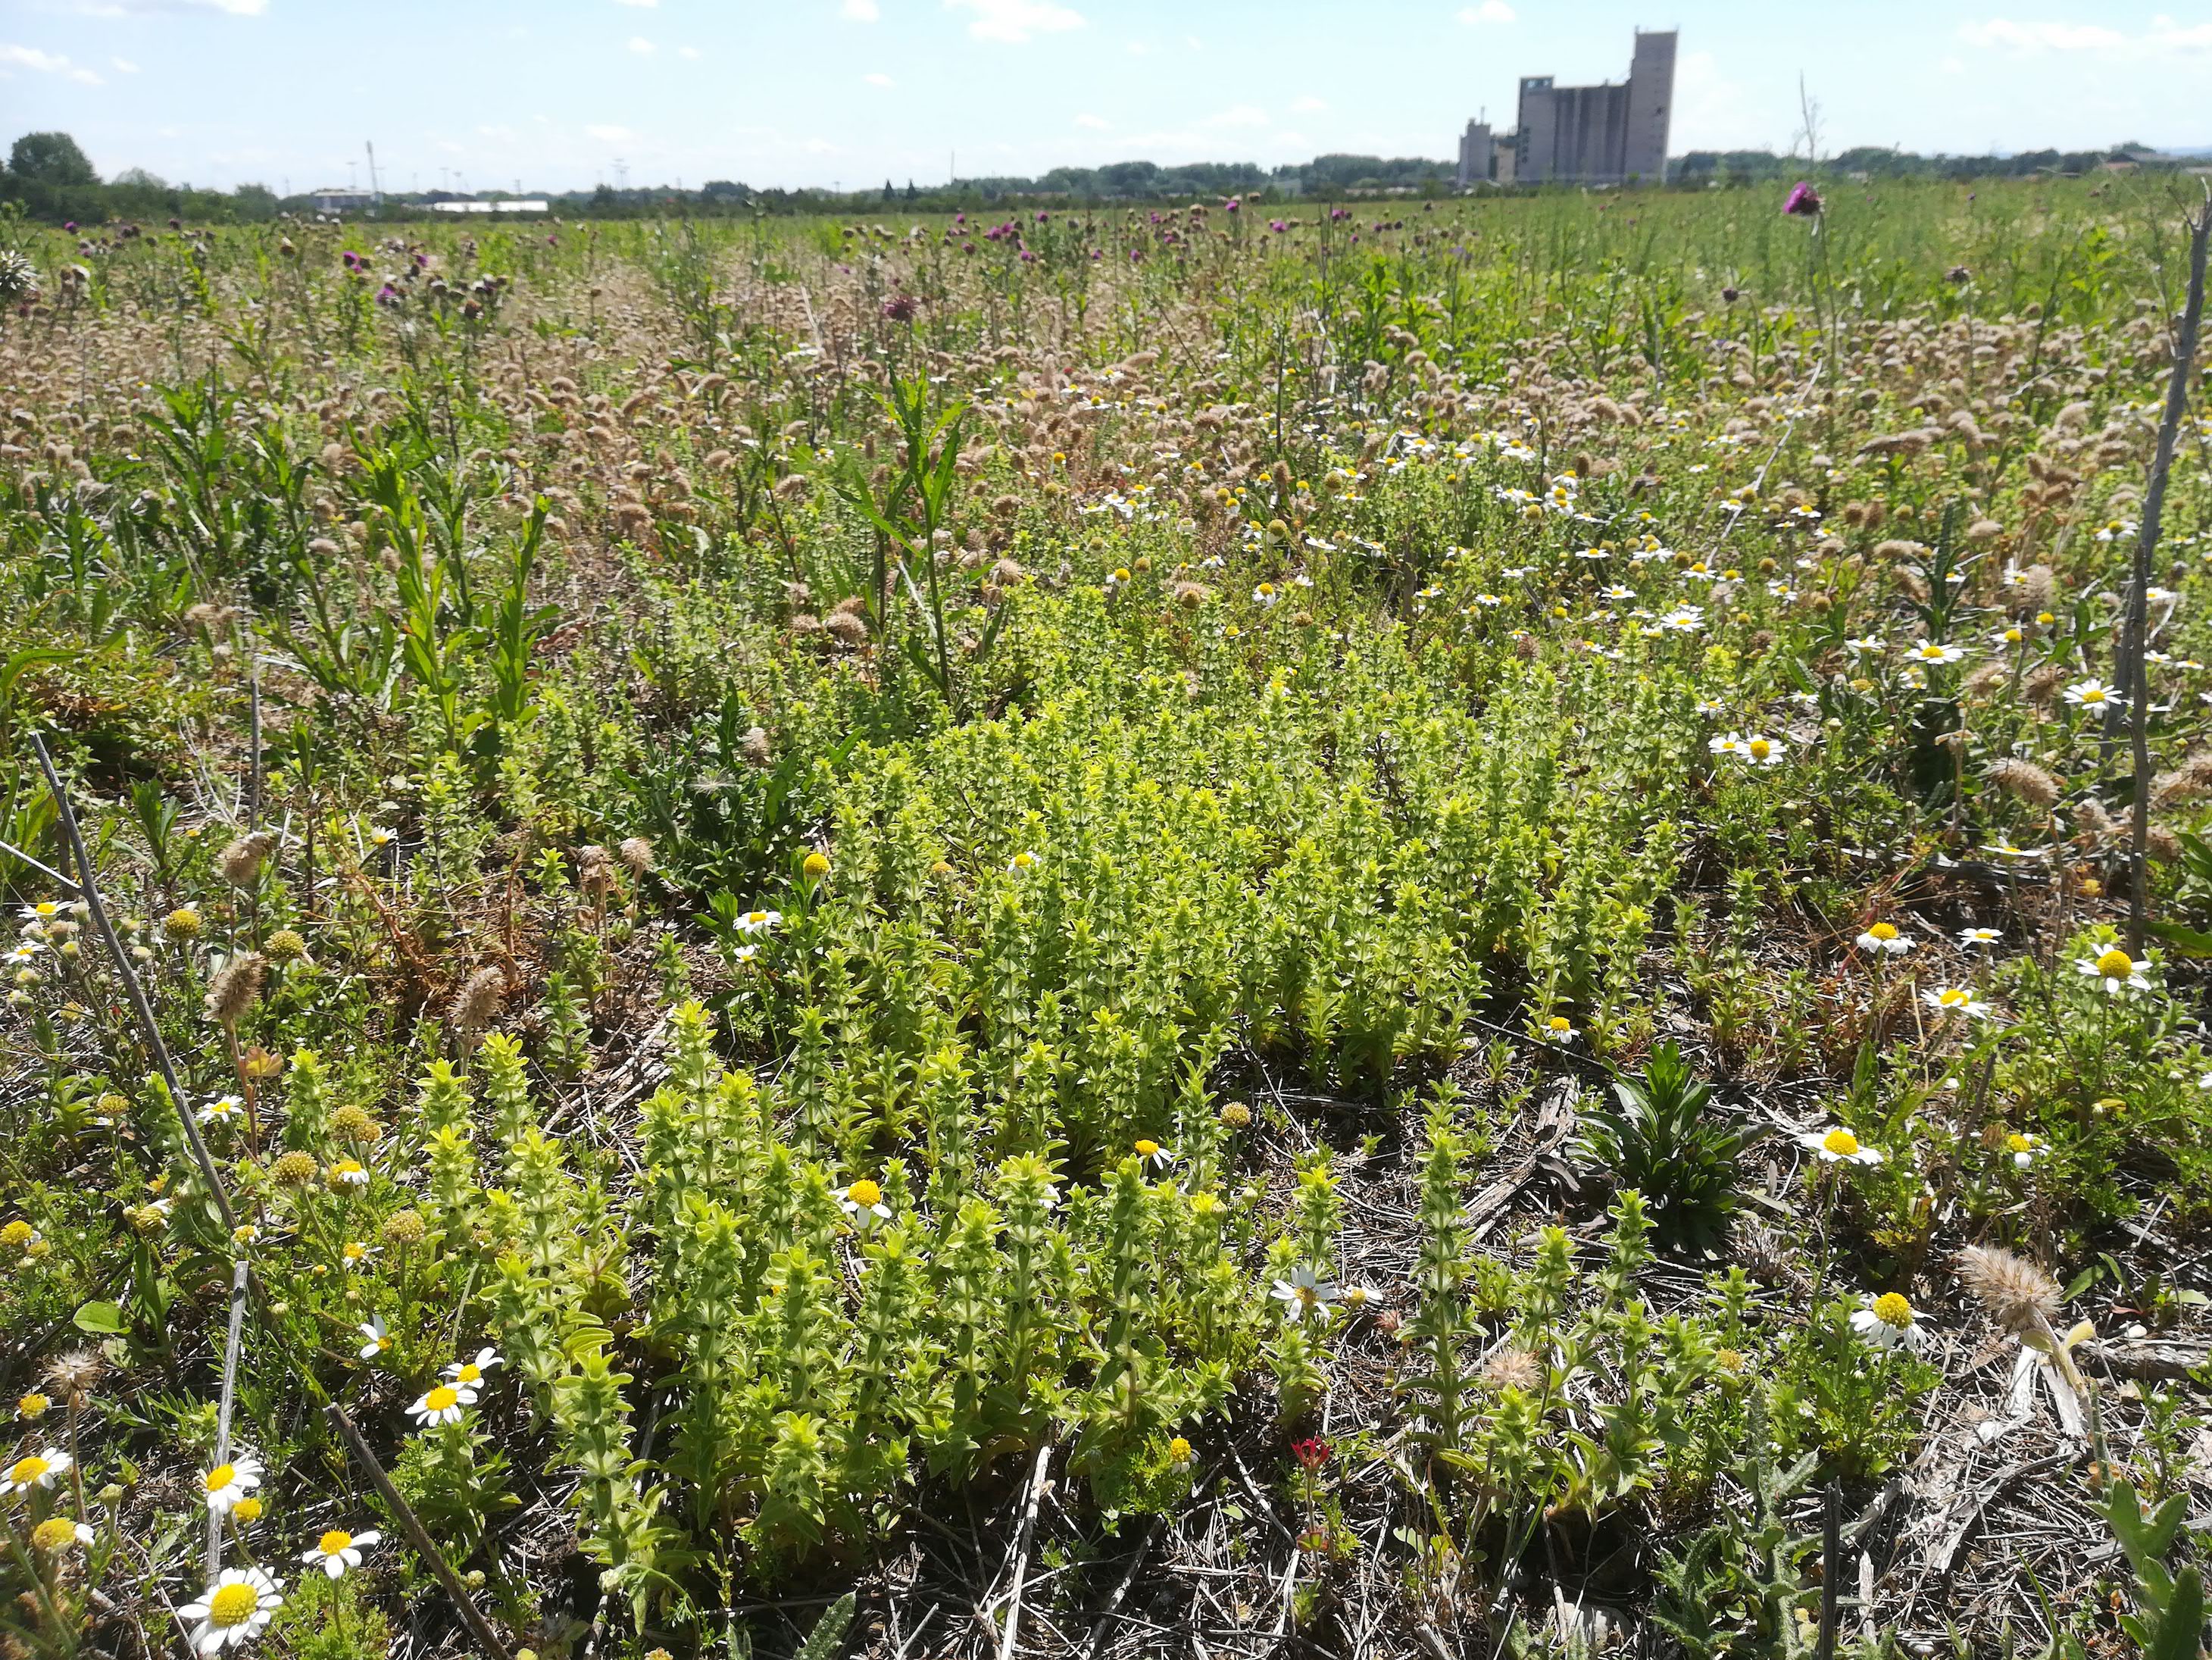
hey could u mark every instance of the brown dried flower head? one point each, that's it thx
(235, 988)
(241, 861)
(2019, 1296)
(2025, 781)
(477, 1004)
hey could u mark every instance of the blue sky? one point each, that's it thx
(554, 93)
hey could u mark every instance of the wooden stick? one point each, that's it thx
(1832, 1568)
(89, 884)
(47, 870)
(471, 1616)
(1008, 1637)
(238, 1278)
(2134, 676)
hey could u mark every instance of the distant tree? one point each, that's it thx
(52, 159)
(139, 179)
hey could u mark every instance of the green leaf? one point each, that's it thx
(2180, 1634)
(104, 1319)
(827, 1636)
(2190, 942)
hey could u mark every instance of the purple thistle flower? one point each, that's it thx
(1803, 200)
(901, 308)
(69, 225)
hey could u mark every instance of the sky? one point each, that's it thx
(565, 94)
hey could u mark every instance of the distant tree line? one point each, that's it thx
(55, 183)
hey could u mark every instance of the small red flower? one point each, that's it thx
(1312, 1453)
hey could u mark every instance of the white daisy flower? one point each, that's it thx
(1956, 1000)
(442, 1405)
(1839, 1146)
(864, 1202)
(1979, 936)
(1930, 651)
(468, 1374)
(1883, 938)
(36, 1469)
(337, 1551)
(1889, 1322)
(226, 1484)
(759, 921)
(379, 1339)
(1305, 1293)
(2120, 971)
(233, 1610)
(2094, 694)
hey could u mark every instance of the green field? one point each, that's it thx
(1395, 930)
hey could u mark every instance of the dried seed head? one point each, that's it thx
(1007, 572)
(2042, 684)
(754, 747)
(1984, 680)
(477, 1002)
(2037, 583)
(73, 1376)
(2024, 780)
(2162, 844)
(847, 629)
(1985, 530)
(241, 861)
(636, 853)
(2187, 782)
(2095, 821)
(235, 988)
(1514, 1369)
(595, 870)
(2019, 1296)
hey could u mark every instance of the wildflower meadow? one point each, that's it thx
(1395, 929)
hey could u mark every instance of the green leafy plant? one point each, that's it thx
(1661, 1136)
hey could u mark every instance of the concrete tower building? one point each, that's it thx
(1476, 149)
(1598, 135)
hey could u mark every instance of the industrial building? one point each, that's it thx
(1602, 134)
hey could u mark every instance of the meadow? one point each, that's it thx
(1392, 929)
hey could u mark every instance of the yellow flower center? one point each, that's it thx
(1179, 1451)
(1893, 1311)
(817, 865)
(1951, 997)
(33, 1405)
(2093, 695)
(334, 1541)
(246, 1512)
(1842, 1143)
(234, 1605)
(1560, 1023)
(2018, 1143)
(219, 1477)
(864, 1192)
(468, 1373)
(756, 916)
(1120, 573)
(1760, 749)
(27, 1470)
(55, 1533)
(1309, 1297)
(1147, 1149)
(441, 1399)
(1884, 932)
(2116, 964)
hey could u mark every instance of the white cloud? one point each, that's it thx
(610, 135)
(687, 52)
(1490, 11)
(1095, 123)
(46, 63)
(2164, 35)
(125, 65)
(860, 11)
(641, 45)
(1016, 20)
(1309, 103)
(879, 79)
(2041, 37)
(130, 8)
